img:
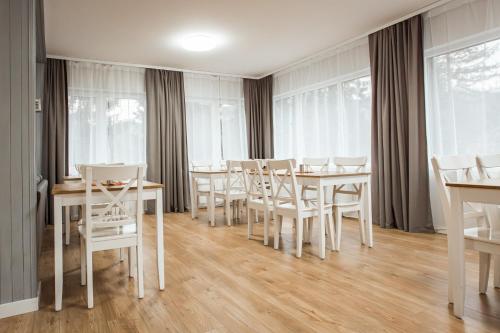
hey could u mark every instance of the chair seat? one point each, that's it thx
(346, 203)
(307, 211)
(240, 194)
(102, 234)
(483, 234)
(260, 202)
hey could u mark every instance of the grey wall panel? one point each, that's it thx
(18, 265)
(16, 148)
(5, 216)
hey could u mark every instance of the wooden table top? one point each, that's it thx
(488, 184)
(72, 188)
(209, 172)
(315, 174)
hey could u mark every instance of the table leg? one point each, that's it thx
(159, 238)
(321, 218)
(496, 270)
(368, 212)
(67, 223)
(194, 195)
(456, 259)
(58, 248)
(211, 203)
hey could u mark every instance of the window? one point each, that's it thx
(463, 97)
(215, 118)
(332, 120)
(107, 114)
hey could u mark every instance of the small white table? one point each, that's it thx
(483, 191)
(324, 179)
(73, 194)
(321, 180)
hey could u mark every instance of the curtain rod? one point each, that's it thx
(366, 34)
(96, 61)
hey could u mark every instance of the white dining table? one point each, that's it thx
(320, 179)
(481, 191)
(72, 193)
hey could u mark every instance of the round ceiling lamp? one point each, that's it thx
(199, 43)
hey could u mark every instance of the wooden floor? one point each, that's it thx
(218, 281)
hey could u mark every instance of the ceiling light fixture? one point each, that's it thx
(199, 43)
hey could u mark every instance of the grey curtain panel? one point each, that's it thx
(55, 125)
(400, 184)
(167, 155)
(258, 96)
(40, 32)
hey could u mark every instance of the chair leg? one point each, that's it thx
(305, 231)
(228, 212)
(83, 262)
(122, 254)
(484, 271)
(250, 223)
(240, 208)
(256, 216)
(338, 228)
(266, 227)
(90, 283)
(281, 224)
(362, 236)
(140, 269)
(132, 258)
(277, 230)
(309, 229)
(331, 232)
(496, 271)
(299, 226)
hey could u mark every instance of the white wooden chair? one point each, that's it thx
(67, 219)
(353, 196)
(288, 203)
(202, 186)
(257, 196)
(489, 168)
(233, 192)
(460, 168)
(316, 164)
(114, 226)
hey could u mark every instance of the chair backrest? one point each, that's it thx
(284, 187)
(317, 164)
(79, 167)
(234, 179)
(112, 211)
(357, 163)
(345, 164)
(451, 168)
(201, 165)
(255, 184)
(488, 166)
(262, 162)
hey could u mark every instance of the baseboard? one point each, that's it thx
(20, 307)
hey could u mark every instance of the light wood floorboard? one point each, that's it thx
(218, 281)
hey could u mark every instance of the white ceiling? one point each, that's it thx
(256, 36)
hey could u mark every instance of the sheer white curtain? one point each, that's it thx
(462, 42)
(215, 118)
(322, 107)
(107, 105)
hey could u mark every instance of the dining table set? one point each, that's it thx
(210, 182)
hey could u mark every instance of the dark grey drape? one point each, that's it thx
(400, 186)
(55, 125)
(259, 116)
(166, 137)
